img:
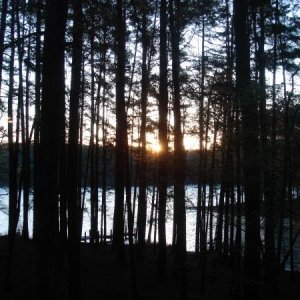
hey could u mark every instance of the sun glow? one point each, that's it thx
(190, 143)
(154, 146)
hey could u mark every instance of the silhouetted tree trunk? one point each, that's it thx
(179, 152)
(142, 202)
(104, 153)
(53, 97)
(238, 234)
(151, 219)
(211, 195)
(27, 153)
(236, 254)
(93, 183)
(225, 179)
(63, 182)
(37, 110)
(250, 151)
(24, 129)
(274, 133)
(73, 195)
(200, 201)
(287, 195)
(221, 206)
(81, 182)
(230, 114)
(97, 157)
(2, 34)
(12, 148)
(13, 154)
(163, 141)
(121, 136)
(269, 188)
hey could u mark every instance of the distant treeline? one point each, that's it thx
(192, 166)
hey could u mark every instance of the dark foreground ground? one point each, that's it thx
(103, 279)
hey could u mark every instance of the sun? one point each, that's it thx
(155, 147)
(153, 143)
(190, 143)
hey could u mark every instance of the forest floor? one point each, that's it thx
(102, 278)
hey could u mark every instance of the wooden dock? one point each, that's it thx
(107, 238)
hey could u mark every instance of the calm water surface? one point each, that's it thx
(191, 197)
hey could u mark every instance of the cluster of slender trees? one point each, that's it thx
(83, 73)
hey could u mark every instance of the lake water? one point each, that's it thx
(191, 197)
